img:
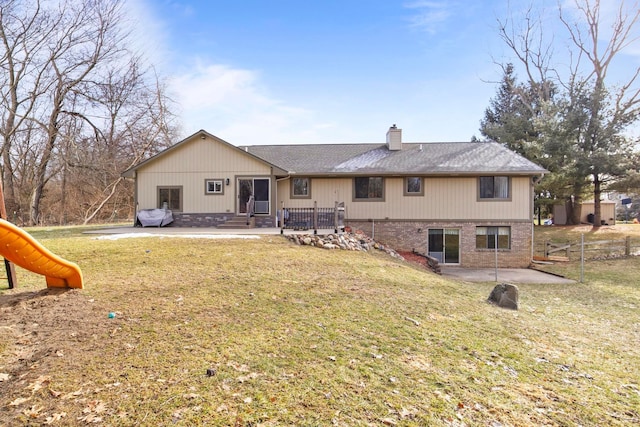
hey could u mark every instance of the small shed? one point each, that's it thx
(607, 213)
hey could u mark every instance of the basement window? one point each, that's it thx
(486, 237)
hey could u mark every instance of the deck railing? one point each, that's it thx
(250, 208)
(312, 218)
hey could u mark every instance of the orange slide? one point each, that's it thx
(20, 248)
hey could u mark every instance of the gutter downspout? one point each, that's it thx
(280, 214)
(135, 197)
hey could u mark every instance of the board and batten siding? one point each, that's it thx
(445, 198)
(189, 166)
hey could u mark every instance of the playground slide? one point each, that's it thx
(20, 248)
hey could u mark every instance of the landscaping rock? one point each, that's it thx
(504, 295)
(356, 241)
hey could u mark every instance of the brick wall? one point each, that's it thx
(409, 235)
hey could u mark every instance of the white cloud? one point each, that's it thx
(148, 33)
(430, 16)
(182, 8)
(232, 104)
(206, 86)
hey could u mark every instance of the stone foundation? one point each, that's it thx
(413, 235)
(213, 220)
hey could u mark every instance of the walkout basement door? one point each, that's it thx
(444, 245)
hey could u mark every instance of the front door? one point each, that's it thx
(444, 245)
(260, 189)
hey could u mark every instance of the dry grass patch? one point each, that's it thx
(264, 332)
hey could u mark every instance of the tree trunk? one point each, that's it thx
(596, 201)
(573, 209)
(104, 201)
(34, 205)
(8, 184)
(40, 175)
(63, 198)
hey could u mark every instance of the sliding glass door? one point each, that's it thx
(444, 245)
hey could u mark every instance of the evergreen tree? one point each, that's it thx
(580, 136)
(509, 119)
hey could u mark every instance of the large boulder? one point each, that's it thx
(504, 295)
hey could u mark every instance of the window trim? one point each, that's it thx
(213, 193)
(170, 187)
(373, 199)
(498, 227)
(413, 193)
(292, 188)
(494, 199)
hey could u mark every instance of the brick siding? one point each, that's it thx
(410, 235)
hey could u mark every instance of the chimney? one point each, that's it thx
(394, 138)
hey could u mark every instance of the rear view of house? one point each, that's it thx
(454, 201)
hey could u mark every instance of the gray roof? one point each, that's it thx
(442, 158)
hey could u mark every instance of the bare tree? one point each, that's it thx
(77, 107)
(595, 144)
(604, 145)
(25, 30)
(87, 37)
(137, 123)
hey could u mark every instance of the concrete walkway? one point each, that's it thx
(508, 275)
(193, 231)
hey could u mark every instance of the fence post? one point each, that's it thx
(11, 273)
(568, 249)
(335, 216)
(546, 249)
(582, 258)
(627, 245)
(315, 217)
(282, 217)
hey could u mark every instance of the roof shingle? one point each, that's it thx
(425, 159)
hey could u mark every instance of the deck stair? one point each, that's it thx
(238, 222)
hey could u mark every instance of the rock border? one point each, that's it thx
(352, 241)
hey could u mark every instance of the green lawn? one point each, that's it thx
(266, 333)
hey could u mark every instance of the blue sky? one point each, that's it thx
(326, 71)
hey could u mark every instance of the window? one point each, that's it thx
(213, 186)
(170, 198)
(413, 186)
(300, 188)
(494, 187)
(369, 188)
(486, 237)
